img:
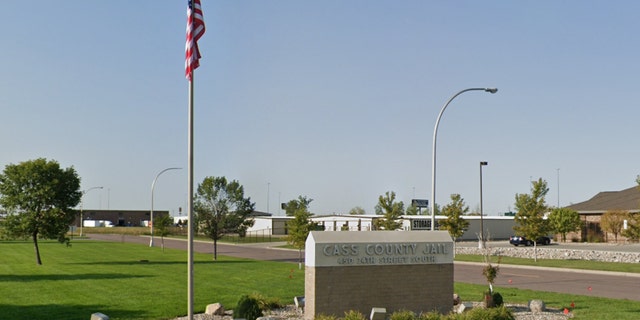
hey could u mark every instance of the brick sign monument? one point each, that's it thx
(396, 270)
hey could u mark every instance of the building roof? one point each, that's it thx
(256, 213)
(627, 199)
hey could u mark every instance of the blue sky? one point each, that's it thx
(334, 100)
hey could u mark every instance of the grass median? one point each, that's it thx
(129, 281)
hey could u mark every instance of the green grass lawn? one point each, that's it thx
(94, 276)
(180, 233)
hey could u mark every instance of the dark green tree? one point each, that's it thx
(357, 211)
(221, 209)
(633, 226)
(436, 208)
(412, 210)
(292, 206)
(391, 210)
(454, 221)
(298, 230)
(563, 221)
(529, 219)
(39, 196)
(633, 222)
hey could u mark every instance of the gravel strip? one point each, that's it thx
(553, 253)
(521, 312)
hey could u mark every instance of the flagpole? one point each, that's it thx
(195, 30)
(190, 204)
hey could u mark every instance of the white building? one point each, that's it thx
(495, 228)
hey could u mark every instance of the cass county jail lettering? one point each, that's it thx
(387, 253)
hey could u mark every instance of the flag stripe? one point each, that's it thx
(195, 30)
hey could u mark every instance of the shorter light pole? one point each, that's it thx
(482, 243)
(153, 185)
(82, 205)
(268, 186)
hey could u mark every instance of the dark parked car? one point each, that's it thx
(518, 240)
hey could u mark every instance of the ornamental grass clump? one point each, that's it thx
(403, 315)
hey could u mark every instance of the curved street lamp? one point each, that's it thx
(153, 185)
(433, 160)
(82, 205)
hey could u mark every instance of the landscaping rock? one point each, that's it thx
(99, 316)
(553, 253)
(462, 307)
(537, 306)
(215, 309)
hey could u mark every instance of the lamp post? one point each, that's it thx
(482, 243)
(558, 187)
(153, 185)
(433, 153)
(82, 205)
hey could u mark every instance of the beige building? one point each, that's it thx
(592, 210)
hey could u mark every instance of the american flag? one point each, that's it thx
(195, 30)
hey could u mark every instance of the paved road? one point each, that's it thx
(590, 283)
(260, 251)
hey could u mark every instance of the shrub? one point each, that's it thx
(248, 308)
(594, 237)
(353, 315)
(403, 315)
(497, 299)
(433, 315)
(500, 313)
(266, 303)
(325, 317)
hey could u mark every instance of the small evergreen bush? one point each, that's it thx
(248, 308)
(497, 299)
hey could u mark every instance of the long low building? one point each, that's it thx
(119, 218)
(495, 227)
